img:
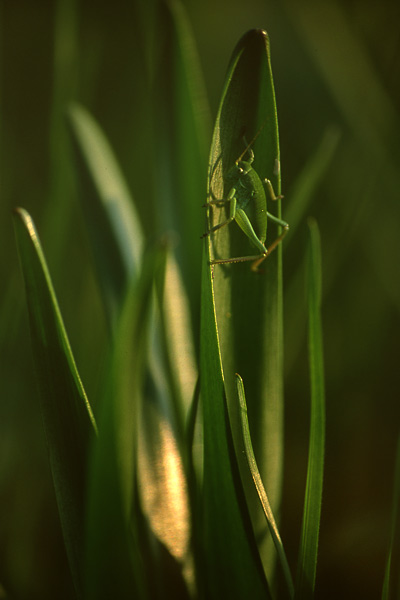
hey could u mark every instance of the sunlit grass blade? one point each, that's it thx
(177, 339)
(232, 565)
(112, 223)
(114, 564)
(391, 585)
(262, 494)
(67, 416)
(307, 561)
(162, 453)
(248, 306)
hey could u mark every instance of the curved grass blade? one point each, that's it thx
(113, 225)
(307, 561)
(67, 416)
(391, 585)
(232, 565)
(248, 306)
(262, 494)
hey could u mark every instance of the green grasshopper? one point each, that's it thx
(248, 207)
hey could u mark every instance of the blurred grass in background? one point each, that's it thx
(336, 72)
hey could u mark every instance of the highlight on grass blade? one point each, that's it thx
(307, 562)
(262, 494)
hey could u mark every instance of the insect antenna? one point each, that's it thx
(249, 145)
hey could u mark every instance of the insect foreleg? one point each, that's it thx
(232, 212)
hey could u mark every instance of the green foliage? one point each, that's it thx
(178, 488)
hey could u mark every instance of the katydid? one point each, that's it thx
(248, 207)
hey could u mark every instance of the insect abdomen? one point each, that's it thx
(257, 207)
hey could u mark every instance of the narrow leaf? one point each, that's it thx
(67, 416)
(307, 561)
(262, 494)
(113, 225)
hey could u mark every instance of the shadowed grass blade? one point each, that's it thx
(67, 416)
(307, 562)
(183, 130)
(232, 566)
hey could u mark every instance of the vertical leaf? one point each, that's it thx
(307, 561)
(262, 494)
(248, 306)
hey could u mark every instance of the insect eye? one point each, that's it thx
(240, 169)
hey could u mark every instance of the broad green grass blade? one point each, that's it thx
(232, 566)
(391, 585)
(307, 561)
(248, 305)
(115, 567)
(262, 494)
(113, 225)
(67, 416)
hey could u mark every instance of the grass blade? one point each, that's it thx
(67, 416)
(307, 562)
(262, 494)
(249, 306)
(232, 564)
(113, 225)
